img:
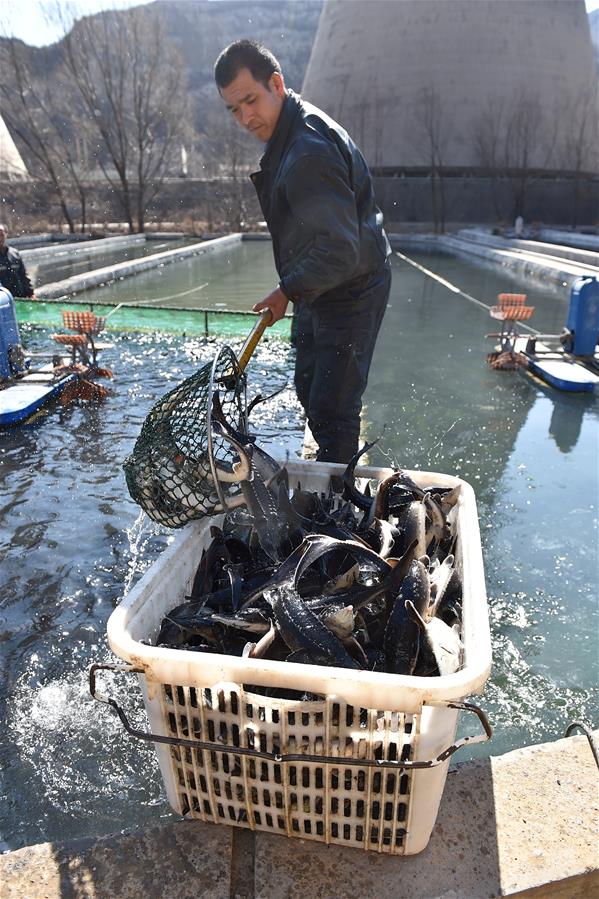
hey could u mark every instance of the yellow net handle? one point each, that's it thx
(253, 338)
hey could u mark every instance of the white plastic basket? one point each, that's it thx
(231, 756)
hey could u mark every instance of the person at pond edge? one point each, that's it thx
(330, 249)
(13, 275)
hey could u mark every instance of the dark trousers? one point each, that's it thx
(335, 342)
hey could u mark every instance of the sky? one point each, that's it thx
(27, 19)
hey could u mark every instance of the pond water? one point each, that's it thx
(229, 278)
(72, 541)
(65, 263)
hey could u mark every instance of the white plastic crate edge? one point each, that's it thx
(163, 585)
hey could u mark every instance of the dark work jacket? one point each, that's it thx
(13, 275)
(316, 194)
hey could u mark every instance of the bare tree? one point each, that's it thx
(431, 133)
(487, 136)
(520, 142)
(230, 155)
(38, 114)
(130, 82)
(378, 127)
(515, 139)
(578, 141)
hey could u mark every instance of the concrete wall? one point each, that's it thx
(485, 200)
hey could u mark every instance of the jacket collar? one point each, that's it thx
(290, 111)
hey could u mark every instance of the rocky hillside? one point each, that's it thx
(201, 28)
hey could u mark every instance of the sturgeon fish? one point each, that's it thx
(402, 634)
(443, 640)
(302, 630)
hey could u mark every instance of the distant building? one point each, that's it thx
(12, 166)
(453, 89)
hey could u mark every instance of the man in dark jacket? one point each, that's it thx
(329, 245)
(12, 271)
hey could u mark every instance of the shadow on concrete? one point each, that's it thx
(461, 859)
(184, 860)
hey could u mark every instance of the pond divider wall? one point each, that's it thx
(548, 271)
(574, 253)
(90, 247)
(570, 238)
(76, 284)
(552, 273)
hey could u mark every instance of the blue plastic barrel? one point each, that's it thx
(9, 330)
(583, 316)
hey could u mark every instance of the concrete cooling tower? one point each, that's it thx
(466, 86)
(11, 162)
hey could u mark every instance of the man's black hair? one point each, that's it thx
(245, 54)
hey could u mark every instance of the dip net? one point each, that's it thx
(178, 469)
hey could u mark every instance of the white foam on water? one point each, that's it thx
(56, 705)
(75, 748)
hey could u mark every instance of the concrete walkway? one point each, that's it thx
(575, 254)
(87, 247)
(547, 270)
(570, 238)
(524, 824)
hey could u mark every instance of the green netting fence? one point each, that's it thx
(217, 322)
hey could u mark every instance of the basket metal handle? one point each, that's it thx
(464, 741)
(286, 758)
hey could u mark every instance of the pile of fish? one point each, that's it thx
(354, 578)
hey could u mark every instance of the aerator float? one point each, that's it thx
(569, 360)
(28, 381)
